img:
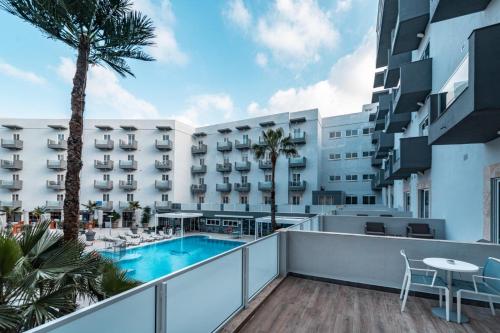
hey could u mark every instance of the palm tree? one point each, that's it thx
(103, 32)
(41, 276)
(9, 213)
(91, 207)
(133, 206)
(38, 213)
(274, 144)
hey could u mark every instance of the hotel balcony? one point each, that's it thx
(104, 165)
(13, 144)
(375, 137)
(299, 186)
(379, 181)
(265, 164)
(55, 185)
(242, 145)
(198, 188)
(11, 165)
(261, 141)
(164, 145)
(378, 79)
(379, 124)
(265, 186)
(441, 10)
(104, 185)
(128, 145)
(415, 86)
(396, 123)
(128, 185)
(297, 162)
(413, 17)
(385, 144)
(105, 206)
(224, 187)
(387, 16)
(414, 155)
(12, 185)
(376, 162)
(57, 144)
(104, 144)
(11, 204)
(383, 108)
(128, 165)
(224, 146)
(163, 185)
(298, 138)
(224, 167)
(242, 187)
(162, 206)
(124, 205)
(163, 165)
(467, 109)
(199, 169)
(57, 164)
(54, 205)
(392, 73)
(199, 149)
(242, 166)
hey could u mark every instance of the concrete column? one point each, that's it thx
(100, 220)
(26, 216)
(282, 252)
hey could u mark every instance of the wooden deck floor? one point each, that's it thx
(301, 305)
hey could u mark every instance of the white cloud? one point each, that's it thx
(207, 108)
(343, 6)
(166, 49)
(347, 88)
(261, 59)
(105, 96)
(237, 13)
(295, 31)
(14, 72)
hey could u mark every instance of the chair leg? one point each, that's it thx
(407, 290)
(492, 307)
(447, 296)
(440, 297)
(403, 287)
(459, 307)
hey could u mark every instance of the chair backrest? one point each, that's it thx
(419, 228)
(375, 226)
(492, 269)
(407, 263)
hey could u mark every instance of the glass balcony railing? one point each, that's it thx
(457, 83)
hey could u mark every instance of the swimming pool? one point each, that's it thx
(155, 260)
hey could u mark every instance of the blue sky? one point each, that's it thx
(216, 61)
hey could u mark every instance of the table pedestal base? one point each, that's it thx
(441, 313)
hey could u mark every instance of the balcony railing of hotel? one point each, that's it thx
(163, 185)
(128, 185)
(242, 166)
(198, 188)
(124, 205)
(163, 205)
(196, 169)
(11, 165)
(128, 164)
(163, 165)
(265, 164)
(11, 203)
(224, 167)
(164, 144)
(12, 185)
(297, 162)
(105, 185)
(103, 165)
(199, 149)
(57, 144)
(105, 206)
(128, 145)
(12, 144)
(54, 205)
(224, 146)
(265, 186)
(297, 185)
(223, 187)
(55, 185)
(244, 144)
(242, 187)
(298, 138)
(57, 164)
(106, 144)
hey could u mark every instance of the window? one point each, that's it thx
(334, 178)
(60, 157)
(60, 178)
(60, 197)
(130, 179)
(296, 177)
(201, 181)
(225, 199)
(351, 132)
(60, 137)
(368, 200)
(166, 137)
(130, 138)
(130, 197)
(368, 130)
(15, 157)
(164, 177)
(424, 203)
(212, 222)
(105, 197)
(245, 138)
(351, 156)
(367, 154)
(296, 200)
(107, 137)
(166, 158)
(351, 200)
(225, 180)
(244, 200)
(15, 177)
(267, 178)
(244, 179)
(335, 156)
(16, 136)
(202, 161)
(368, 177)
(335, 135)
(267, 200)
(164, 197)
(424, 127)
(105, 177)
(226, 160)
(107, 158)
(201, 199)
(407, 201)
(230, 223)
(351, 178)
(15, 197)
(130, 157)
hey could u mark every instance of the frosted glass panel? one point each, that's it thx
(202, 299)
(263, 264)
(132, 314)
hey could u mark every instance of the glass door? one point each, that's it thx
(495, 210)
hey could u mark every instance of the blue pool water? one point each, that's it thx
(155, 260)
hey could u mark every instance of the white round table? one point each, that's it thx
(450, 266)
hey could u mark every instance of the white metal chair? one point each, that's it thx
(429, 279)
(486, 285)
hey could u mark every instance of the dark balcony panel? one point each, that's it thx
(415, 86)
(13, 144)
(376, 162)
(12, 185)
(299, 186)
(224, 167)
(378, 80)
(198, 169)
(163, 165)
(242, 145)
(223, 187)
(414, 155)
(297, 162)
(379, 124)
(387, 15)
(447, 9)
(396, 123)
(163, 206)
(413, 17)
(104, 165)
(57, 164)
(242, 187)
(55, 185)
(57, 144)
(242, 166)
(11, 164)
(392, 76)
(376, 95)
(127, 164)
(198, 188)
(265, 186)
(265, 164)
(375, 137)
(104, 144)
(127, 185)
(105, 185)
(199, 149)
(372, 116)
(164, 145)
(385, 143)
(128, 145)
(469, 110)
(379, 182)
(384, 105)
(224, 146)
(298, 138)
(163, 185)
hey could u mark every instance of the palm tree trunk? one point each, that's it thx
(273, 195)
(74, 164)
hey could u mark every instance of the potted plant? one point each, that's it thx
(133, 206)
(90, 235)
(115, 216)
(91, 207)
(146, 216)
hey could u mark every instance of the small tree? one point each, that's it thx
(146, 216)
(91, 207)
(9, 213)
(133, 206)
(38, 213)
(274, 145)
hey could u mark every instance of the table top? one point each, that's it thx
(451, 265)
